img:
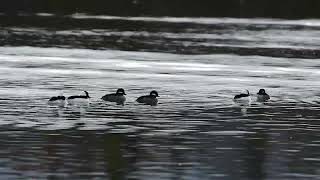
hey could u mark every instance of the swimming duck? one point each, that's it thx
(150, 99)
(243, 98)
(57, 100)
(79, 98)
(117, 97)
(262, 96)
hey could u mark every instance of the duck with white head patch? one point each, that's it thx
(117, 97)
(262, 96)
(243, 99)
(150, 99)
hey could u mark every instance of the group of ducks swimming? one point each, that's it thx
(262, 96)
(118, 97)
(151, 99)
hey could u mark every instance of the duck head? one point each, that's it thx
(120, 91)
(87, 94)
(261, 92)
(154, 93)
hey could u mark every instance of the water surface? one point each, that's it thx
(196, 132)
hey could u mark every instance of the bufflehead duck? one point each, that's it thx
(243, 99)
(117, 97)
(57, 100)
(150, 99)
(262, 96)
(79, 98)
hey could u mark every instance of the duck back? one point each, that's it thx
(149, 100)
(119, 99)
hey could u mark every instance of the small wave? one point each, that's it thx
(202, 20)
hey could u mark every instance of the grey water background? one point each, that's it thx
(196, 64)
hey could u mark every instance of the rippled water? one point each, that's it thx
(196, 132)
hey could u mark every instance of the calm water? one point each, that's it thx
(196, 132)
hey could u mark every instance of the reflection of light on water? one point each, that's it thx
(203, 20)
(52, 71)
(299, 70)
(133, 65)
(229, 133)
(45, 14)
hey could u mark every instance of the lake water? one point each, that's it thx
(196, 64)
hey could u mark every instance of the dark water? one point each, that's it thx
(196, 132)
(287, 9)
